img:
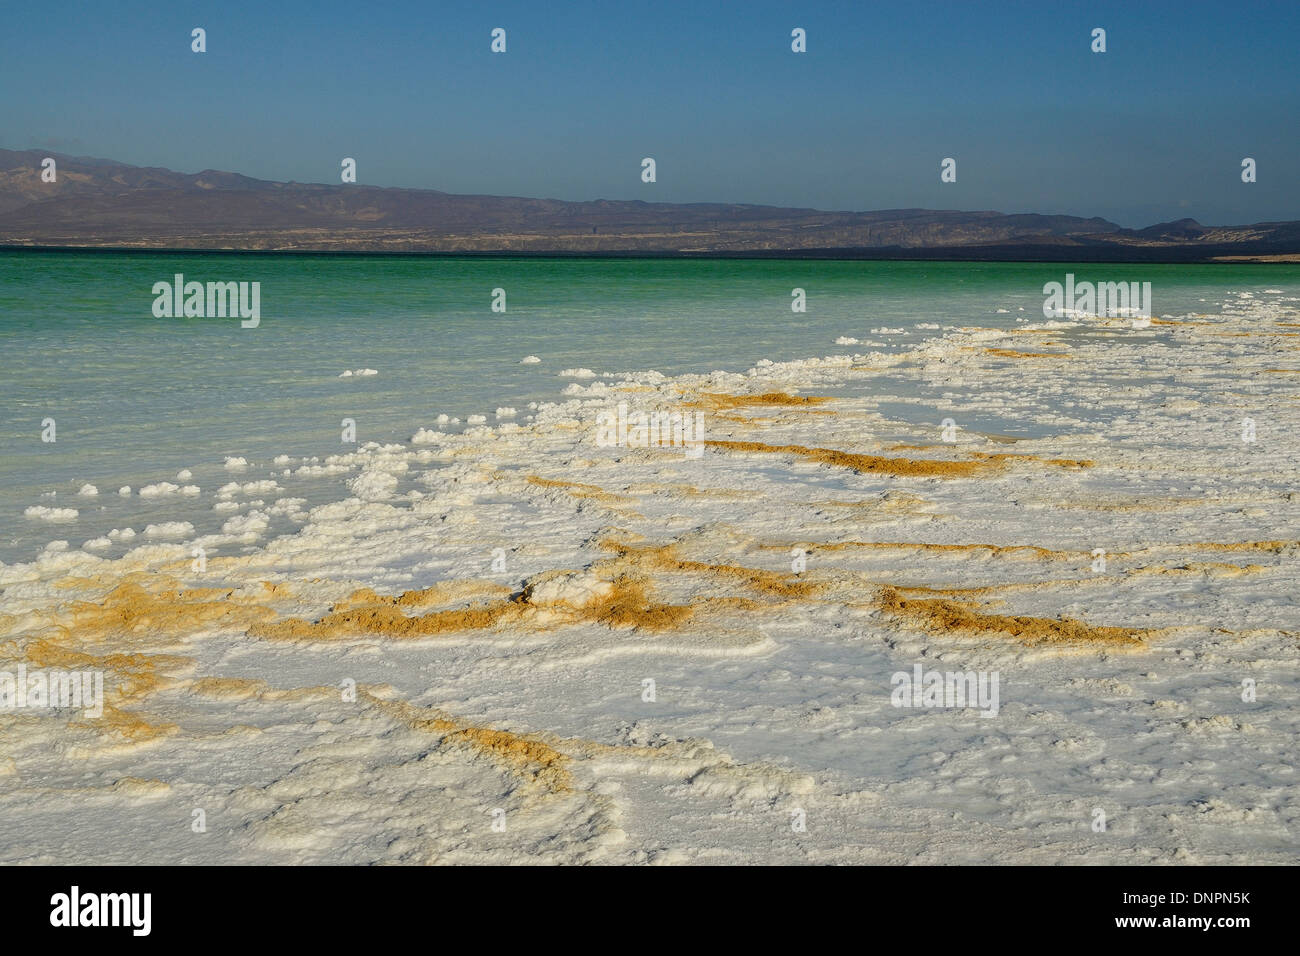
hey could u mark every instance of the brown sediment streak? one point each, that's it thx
(542, 761)
(1219, 568)
(229, 688)
(984, 591)
(135, 675)
(141, 609)
(622, 602)
(991, 436)
(388, 620)
(996, 549)
(1272, 546)
(444, 592)
(620, 598)
(526, 755)
(664, 558)
(1268, 547)
(1146, 504)
(948, 616)
(1058, 462)
(899, 467)
(1012, 353)
(628, 605)
(1245, 335)
(895, 501)
(168, 609)
(577, 489)
(690, 491)
(130, 724)
(729, 604)
(992, 592)
(872, 464)
(127, 678)
(588, 493)
(764, 582)
(719, 402)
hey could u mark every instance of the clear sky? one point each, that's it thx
(1152, 130)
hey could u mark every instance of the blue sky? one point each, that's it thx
(1154, 129)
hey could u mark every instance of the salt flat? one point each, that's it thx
(450, 664)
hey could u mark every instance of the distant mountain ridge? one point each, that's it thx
(101, 203)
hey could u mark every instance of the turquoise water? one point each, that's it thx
(138, 398)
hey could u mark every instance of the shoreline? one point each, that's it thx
(1057, 256)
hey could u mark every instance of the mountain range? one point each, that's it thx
(99, 203)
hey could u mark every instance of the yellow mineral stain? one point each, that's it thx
(164, 608)
(388, 620)
(665, 558)
(1213, 568)
(996, 550)
(628, 605)
(900, 502)
(684, 490)
(133, 675)
(1272, 547)
(129, 724)
(442, 593)
(987, 593)
(229, 688)
(128, 678)
(720, 402)
(1265, 547)
(942, 615)
(1012, 353)
(528, 756)
(867, 464)
(1056, 462)
(577, 489)
(621, 596)
(624, 603)
(898, 467)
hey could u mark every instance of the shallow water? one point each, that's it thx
(137, 399)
